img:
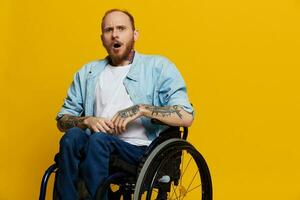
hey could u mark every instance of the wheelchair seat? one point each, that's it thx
(170, 169)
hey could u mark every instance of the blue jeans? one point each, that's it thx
(88, 155)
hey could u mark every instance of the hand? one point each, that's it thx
(99, 124)
(123, 117)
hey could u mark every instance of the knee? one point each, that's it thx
(70, 136)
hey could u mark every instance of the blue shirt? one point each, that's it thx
(152, 80)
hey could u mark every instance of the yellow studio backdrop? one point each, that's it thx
(240, 60)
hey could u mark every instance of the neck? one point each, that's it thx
(128, 60)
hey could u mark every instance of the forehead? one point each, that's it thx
(116, 18)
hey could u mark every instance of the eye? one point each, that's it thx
(121, 28)
(107, 30)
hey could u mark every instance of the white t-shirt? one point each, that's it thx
(111, 96)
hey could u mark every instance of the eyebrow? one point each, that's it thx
(121, 26)
(118, 26)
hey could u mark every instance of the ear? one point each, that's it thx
(102, 39)
(135, 35)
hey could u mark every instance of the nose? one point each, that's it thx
(115, 33)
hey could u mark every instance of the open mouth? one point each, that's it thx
(117, 45)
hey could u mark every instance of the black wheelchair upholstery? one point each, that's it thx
(158, 175)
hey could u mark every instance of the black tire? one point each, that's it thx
(167, 160)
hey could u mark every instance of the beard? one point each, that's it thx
(123, 54)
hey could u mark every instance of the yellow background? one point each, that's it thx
(240, 60)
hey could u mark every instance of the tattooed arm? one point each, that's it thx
(171, 115)
(68, 121)
(96, 124)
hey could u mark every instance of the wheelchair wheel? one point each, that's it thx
(174, 170)
(115, 187)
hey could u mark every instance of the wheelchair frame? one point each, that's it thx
(173, 139)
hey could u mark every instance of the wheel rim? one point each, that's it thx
(194, 182)
(188, 186)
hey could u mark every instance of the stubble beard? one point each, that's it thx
(126, 56)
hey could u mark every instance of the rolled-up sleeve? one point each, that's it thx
(172, 88)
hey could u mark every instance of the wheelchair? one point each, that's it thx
(171, 169)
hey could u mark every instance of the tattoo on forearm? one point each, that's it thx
(68, 121)
(129, 112)
(164, 111)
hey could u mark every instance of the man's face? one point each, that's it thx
(118, 37)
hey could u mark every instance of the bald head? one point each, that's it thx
(130, 17)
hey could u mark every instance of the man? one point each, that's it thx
(110, 104)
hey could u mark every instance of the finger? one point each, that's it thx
(114, 118)
(111, 131)
(120, 123)
(116, 130)
(109, 123)
(100, 128)
(103, 124)
(95, 129)
(125, 122)
(124, 125)
(116, 121)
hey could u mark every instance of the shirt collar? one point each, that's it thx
(134, 72)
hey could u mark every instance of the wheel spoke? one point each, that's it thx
(193, 188)
(186, 168)
(174, 188)
(192, 180)
(187, 192)
(181, 176)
